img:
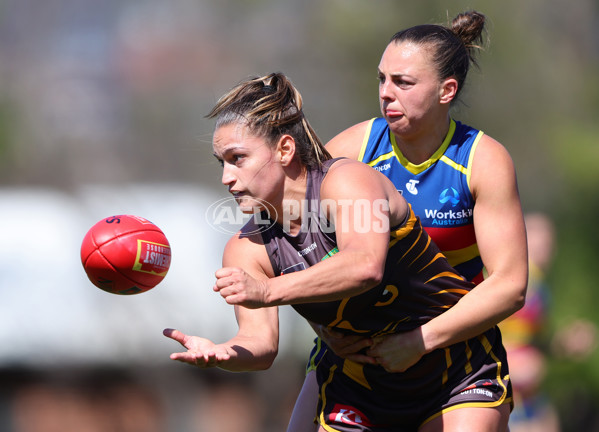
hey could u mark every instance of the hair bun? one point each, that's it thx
(469, 26)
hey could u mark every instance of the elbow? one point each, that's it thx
(519, 304)
(520, 295)
(266, 360)
(371, 274)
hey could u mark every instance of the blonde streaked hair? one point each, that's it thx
(270, 106)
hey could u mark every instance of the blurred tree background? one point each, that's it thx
(111, 92)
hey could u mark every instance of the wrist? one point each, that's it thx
(430, 339)
(270, 298)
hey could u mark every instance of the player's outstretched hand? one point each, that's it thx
(239, 288)
(200, 352)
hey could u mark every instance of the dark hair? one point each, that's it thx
(270, 106)
(454, 48)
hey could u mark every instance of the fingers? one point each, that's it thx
(226, 278)
(175, 335)
(362, 358)
(203, 360)
(226, 271)
(344, 346)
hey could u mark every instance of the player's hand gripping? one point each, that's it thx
(200, 352)
(345, 346)
(397, 352)
(239, 288)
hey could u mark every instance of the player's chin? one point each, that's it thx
(248, 206)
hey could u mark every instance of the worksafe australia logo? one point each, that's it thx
(451, 195)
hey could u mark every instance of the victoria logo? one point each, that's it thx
(451, 195)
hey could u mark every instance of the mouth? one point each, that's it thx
(393, 114)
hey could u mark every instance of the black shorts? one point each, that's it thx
(356, 397)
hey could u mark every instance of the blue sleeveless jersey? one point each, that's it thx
(438, 189)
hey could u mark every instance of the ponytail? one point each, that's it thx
(270, 106)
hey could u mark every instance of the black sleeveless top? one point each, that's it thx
(418, 282)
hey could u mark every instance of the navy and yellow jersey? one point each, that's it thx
(418, 282)
(438, 189)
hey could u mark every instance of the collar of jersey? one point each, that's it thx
(417, 169)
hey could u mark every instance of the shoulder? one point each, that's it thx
(349, 142)
(347, 176)
(489, 152)
(492, 165)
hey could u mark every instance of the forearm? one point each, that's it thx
(346, 274)
(485, 306)
(248, 354)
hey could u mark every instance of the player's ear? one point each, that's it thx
(448, 90)
(286, 149)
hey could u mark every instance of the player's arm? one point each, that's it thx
(501, 238)
(366, 207)
(348, 143)
(255, 345)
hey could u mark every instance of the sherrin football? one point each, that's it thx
(125, 254)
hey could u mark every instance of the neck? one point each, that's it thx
(289, 213)
(419, 147)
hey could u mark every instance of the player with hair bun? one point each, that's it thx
(462, 185)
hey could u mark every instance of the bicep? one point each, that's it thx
(498, 218)
(360, 209)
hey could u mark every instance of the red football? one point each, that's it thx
(125, 254)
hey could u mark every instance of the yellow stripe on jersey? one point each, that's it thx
(502, 400)
(452, 290)
(365, 140)
(454, 165)
(404, 230)
(424, 249)
(382, 158)
(485, 343)
(459, 256)
(356, 372)
(449, 363)
(323, 396)
(340, 322)
(446, 274)
(435, 258)
(471, 157)
(467, 170)
(417, 169)
(468, 366)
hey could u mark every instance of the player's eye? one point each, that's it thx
(220, 161)
(237, 158)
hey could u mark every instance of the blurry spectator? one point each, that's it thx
(92, 403)
(522, 336)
